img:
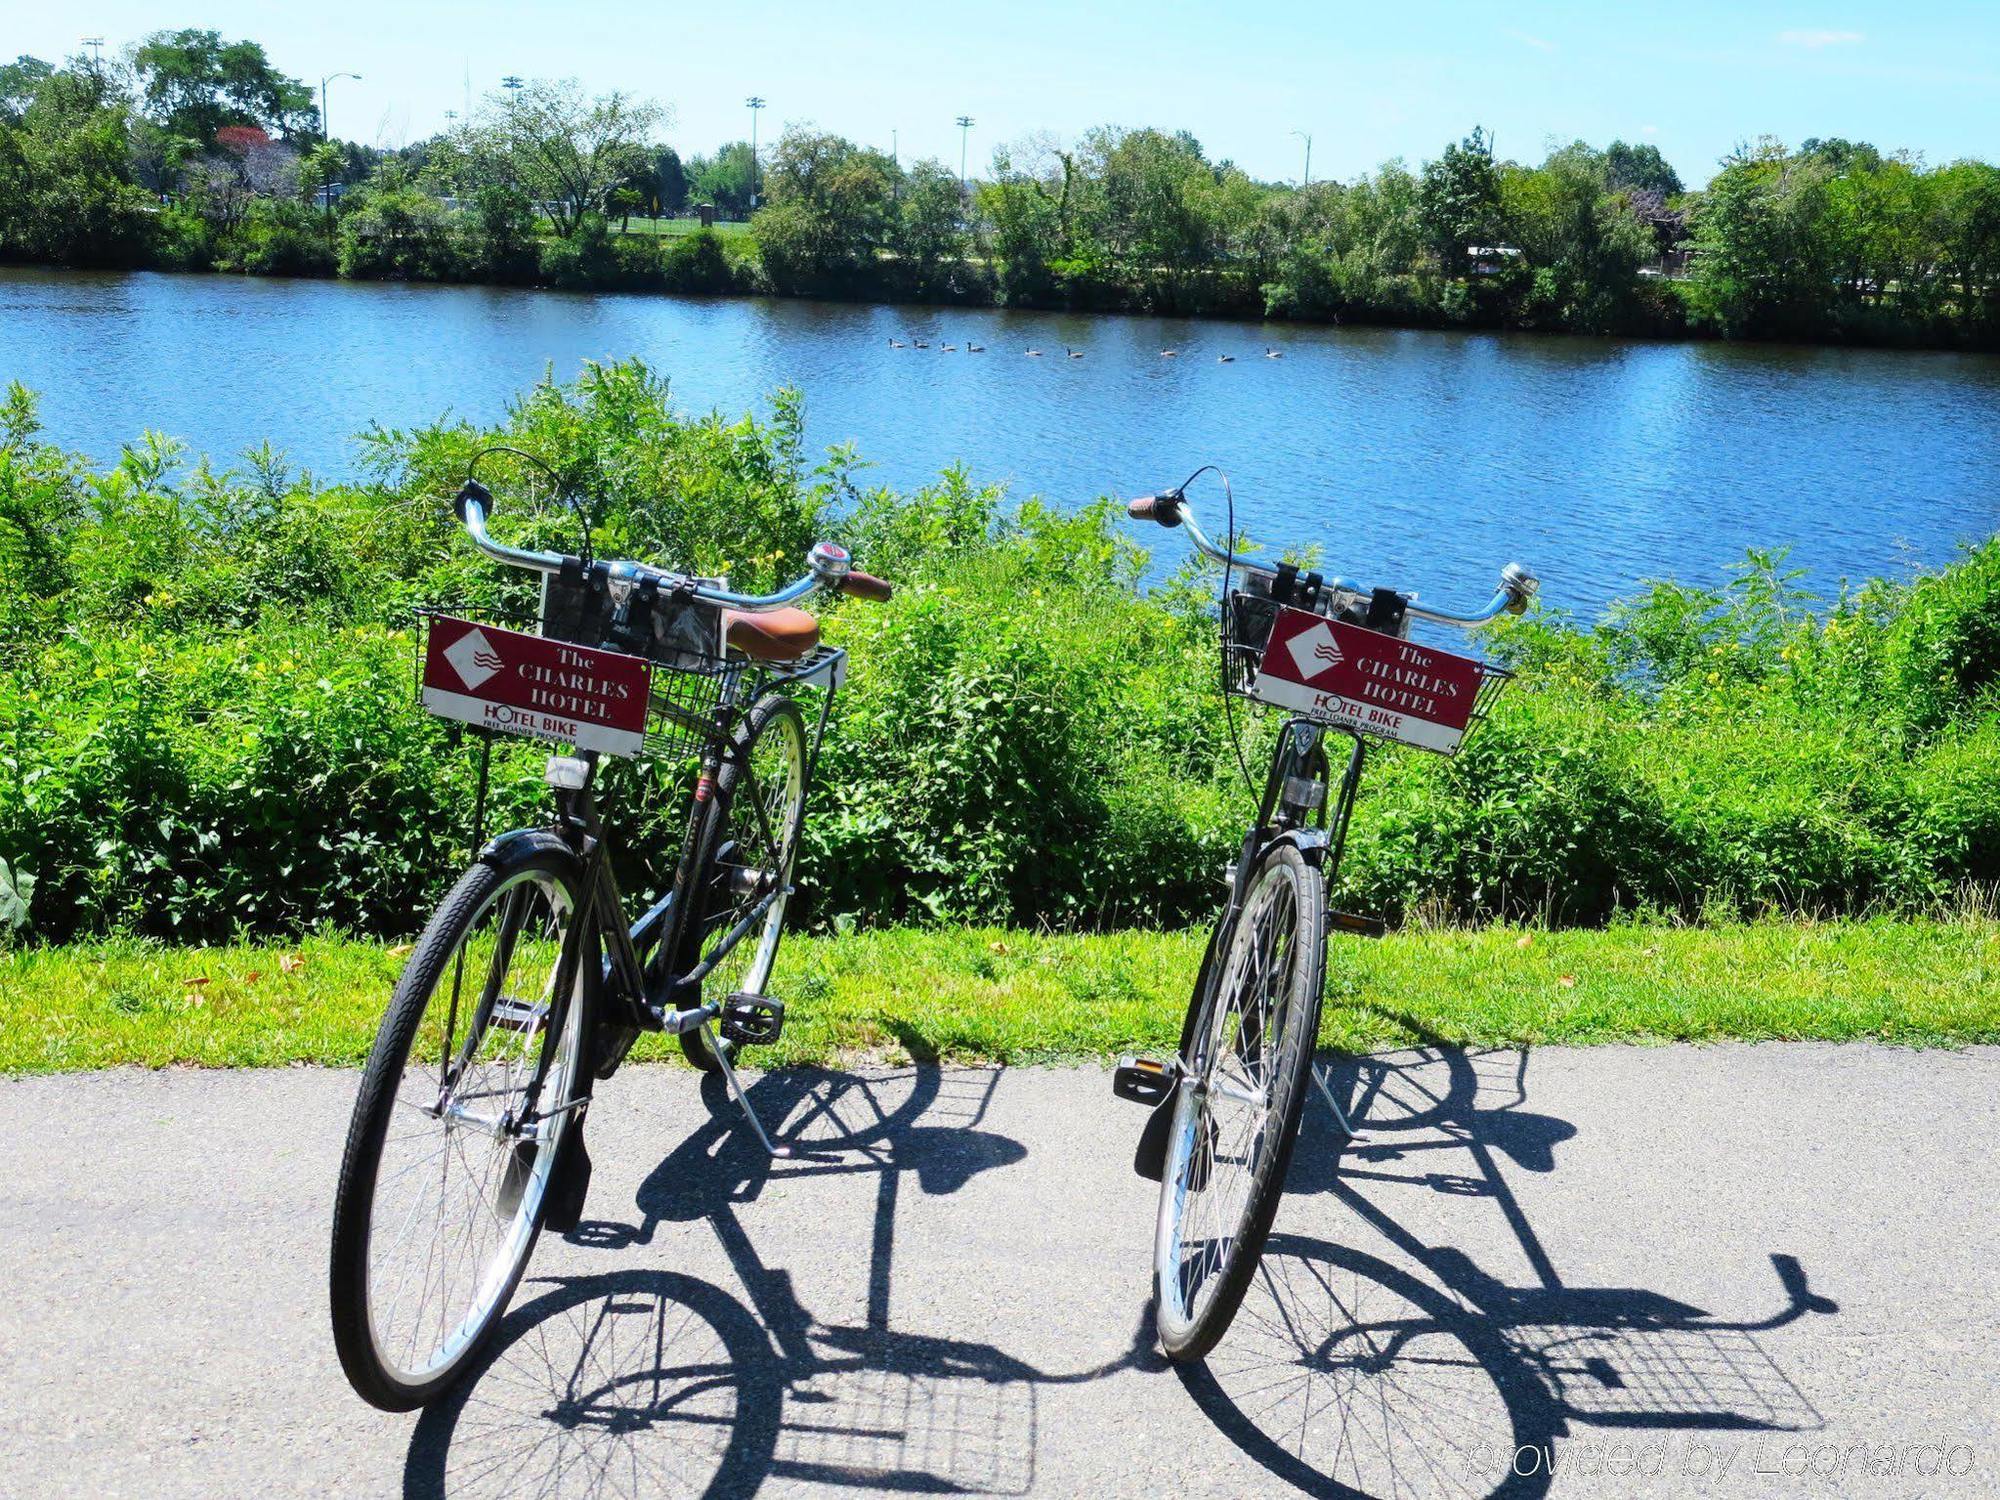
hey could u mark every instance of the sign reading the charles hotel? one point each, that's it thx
(527, 684)
(1360, 679)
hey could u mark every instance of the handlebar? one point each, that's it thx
(1171, 508)
(827, 563)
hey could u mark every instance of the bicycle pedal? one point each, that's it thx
(1144, 1080)
(752, 1020)
(1347, 921)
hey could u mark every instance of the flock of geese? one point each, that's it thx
(1068, 353)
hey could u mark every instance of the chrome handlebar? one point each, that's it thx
(1171, 508)
(829, 565)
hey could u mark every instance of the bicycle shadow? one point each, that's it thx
(658, 1383)
(1346, 1375)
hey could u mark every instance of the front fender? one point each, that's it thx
(522, 844)
(1310, 842)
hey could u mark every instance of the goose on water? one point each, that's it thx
(975, 348)
(1034, 354)
(1170, 354)
(895, 343)
(947, 348)
(1270, 353)
(918, 344)
(1072, 353)
(1225, 359)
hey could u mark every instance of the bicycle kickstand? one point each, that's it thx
(1320, 1073)
(716, 1051)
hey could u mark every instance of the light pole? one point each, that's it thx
(325, 134)
(96, 46)
(512, 84)
(964, 131)
(1307, 138)
(754, 103)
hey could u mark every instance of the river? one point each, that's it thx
(1422, 460)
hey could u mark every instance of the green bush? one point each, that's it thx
(696, 263)
(209, 722)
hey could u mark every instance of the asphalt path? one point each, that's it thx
(1735, 1270)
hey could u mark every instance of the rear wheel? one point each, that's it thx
(1237, 1106)
(749, 841)
(443, 1187)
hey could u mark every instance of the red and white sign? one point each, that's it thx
(528, 684)
(1361, 679)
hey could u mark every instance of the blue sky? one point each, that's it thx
(1368, 81)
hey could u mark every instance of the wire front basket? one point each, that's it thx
(1247, 623)
(691, 677)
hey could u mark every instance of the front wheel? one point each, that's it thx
(1237, 1106)
(445, 1179)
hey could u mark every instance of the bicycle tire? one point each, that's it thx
(773, 721)
(511, 1184)
(1284, 899)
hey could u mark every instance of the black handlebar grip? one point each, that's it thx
(472, 489)
(858, 585)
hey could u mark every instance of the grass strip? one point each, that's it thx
(972, 995)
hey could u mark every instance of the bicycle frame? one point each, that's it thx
(620, 997)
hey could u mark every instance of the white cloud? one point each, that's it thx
(1540, 44)
(1816, 39)
(1649, 130)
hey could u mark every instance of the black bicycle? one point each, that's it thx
(1338, 657)
(529, 984)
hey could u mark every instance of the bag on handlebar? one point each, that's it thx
(671, 628)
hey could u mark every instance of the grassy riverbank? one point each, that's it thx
(972, 995)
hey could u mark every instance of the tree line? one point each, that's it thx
(195, 153)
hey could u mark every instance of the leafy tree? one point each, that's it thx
(670, 183)
(723, 179)
(193, 84)
(1580, 237)
(1458, 205)
(392, 229)
(569, 151)
(1642, 168)
(830, 206)
(506, 231)
(66, 185)
(1033, 200)
(930, 231)
(1153, 217)
(1968, 223)
(19, 80)
(1768, 257)
(1840, 155)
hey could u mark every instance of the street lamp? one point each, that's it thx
(96, 46)
(754, 103)
(964, 130)
(512, 84)
(326, 134)
(1307, 138)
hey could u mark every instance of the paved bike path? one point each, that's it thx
(1736, 1270)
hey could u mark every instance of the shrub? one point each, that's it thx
(208, 722)
(696, 263)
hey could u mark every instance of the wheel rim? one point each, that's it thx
(457, 1196)
(765, 849)
(1226, 1119)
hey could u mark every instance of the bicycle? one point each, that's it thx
(1226, 1106)
(467, 1140)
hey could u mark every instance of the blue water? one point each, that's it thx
(1419, 460)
